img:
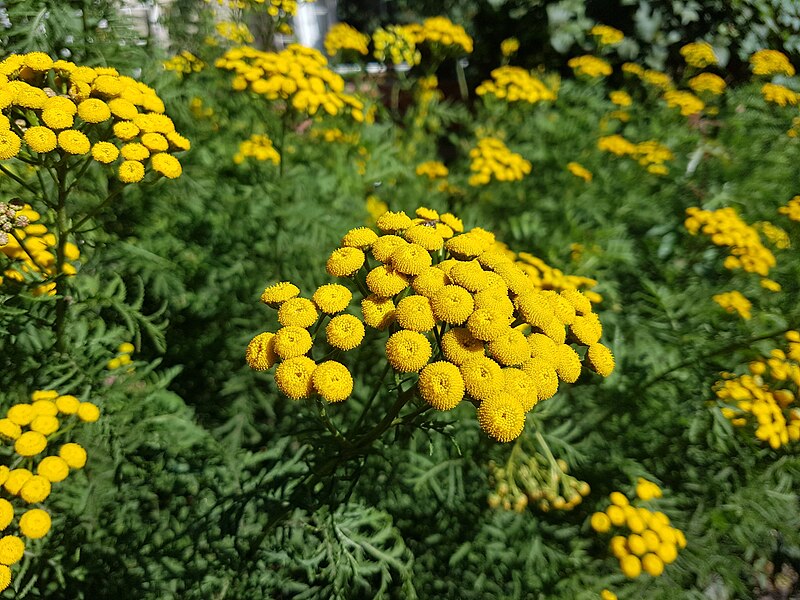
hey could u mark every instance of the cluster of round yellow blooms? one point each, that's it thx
(579, 171)
(432, 169)
(726, 228)
(590, 66)
(608, 595)
(531, 480)
(345, 37)
(184, 63)
(62, 109)
(657, 79)
(707, 83)
(651, 154)
(688, 103)
(779, 94)
(238, 33)
(515, 84)
(123, 357)
(621, 98)
(491, 159)
(259, 147)
(396, 44)
(652, 544)
(771, 62)
(794, 130)
(734, 302)
(766, 396)
(509, 46)
(460, 299)
(777, 236)
(606, 35)
(297, 75)
(199, 110)
(792, 209)
(32, 248)
(442, 32)
(335, 135)
(699, 55)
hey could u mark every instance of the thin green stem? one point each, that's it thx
(95, 210)
(375, 391)
(77, 178)
(62, 229)
(323, 415)
(387, 421)
(19, 180)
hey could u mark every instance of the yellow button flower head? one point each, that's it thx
(590, 66)
(345, 37)
(30, 443)
(544, 377)
(94, 110)
(520, 385)
(360, 237)
(378, 312)
(586, 329)
(501, 416)
(487, 324)
(40, 139)
(166, 164)
(344, 332)
(11, 550)
(600, 359)
(35, 523)
(53, 468)
(294, 377)
(429, 281)
(510, 349)
(35, 490)
(492, 159)
(424, 236)
(410, 259)
(483, 377)
(579, 171)
(67, 405)
(275, 295)
(385, 282)
(509, 46)
(9, 430)
(88, 412)
(452, 304)
(332, 298)
(299, 312)
(568, 364)
(45, 424)
(432, 169)
(600, 522)
(408, 351)
(5, 577)
(771, 62)
(699, 54)
(652, 565)
(332, 381)
(292, 341)
(608, 595)
(260, 354)
(6, 513)
(630, 566)
(385, 246)
(74, 142)
(391, 222)
(441, 385)
(73, 454)
(414, 313)
(16, 479)
(131, 171)
(707, 82)
(515, 84)
(688, 103)
(105, 152)
(10, 145)
(344, 262)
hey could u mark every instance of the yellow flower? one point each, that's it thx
(491, 158)
(652, 565)
(378, 312)
(294, 377)
(600, 359)
(408, 351)
(452, 304)
(105, 152)
(707, 82)
(432, 169)
(509, 46)
(521, 386)
(469, 275)
(647, 490)
(332, 298)
(45, 424)
(34, 523)
(699, 54)
(771, 62)
(441, 385)
(607, 36)
(38, 61)
(125, 130)
(385, 246)
(344, 332)
(568, 364)
(390, 222)
(292, 341)
(344, 262)
(384, 281)
(590, 66)
(579, 171)
(483, 377)
(299, 312)
(73, 454)
(429, 281)
(6, 513)
(360, 237)
(630, 566)
(686, 101)
(11, 550)
(131, 171)
(332, 381)
(53, 468)
(9, 429)
(734, 302)
(511, 348)
(487, 324)
(410, 259)
(94, 110)
(344, 37)
(40, 139)
(9, 145)
(515, 84)
(30, 443)
(35, 490)
(88, 412)
(501, 417)
(586, 329)
(134, 151)
(544, 377)
(600, 522)
(166, 164)
(425, 236)
(414, 313)
(608, 595)
(779, 94)
(260, 354)
(274, 295)
(74, 142)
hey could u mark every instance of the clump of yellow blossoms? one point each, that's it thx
(726, 228)
(590, 66)
(652, 543)
(606, 35)
(771, 62)
(621, 98)
(688, 103)
(259, 147)
(579, 171)
(345, 37)
(32, 248)
(491, 159)
(734, 302)
(515, 84)
(651, 154)
(699, 55)
(184, 63)
(396, 44)
(509, 47)
(767, 395)
(297, 75)
(462, 316)
(61, 110)
(707, 82)
(238, 33)
(779, 94)
(335, 135)
(29, 428)
(432, 169)
(776, 236)
(792, 209)
(441, 31)
(123, 358)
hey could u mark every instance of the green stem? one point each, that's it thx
(372, 397)
(77, 178)
(323, 415)
(402, 399)
(462, 81)
(62, 229)
(19, 180)
(95, 210)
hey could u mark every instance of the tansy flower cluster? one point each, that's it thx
(32, 248)
(509, 46)
(776, 236)
(28, 427)
(396, 44)
(515, 84)
(651, 154)
(590, 66)
(59, 109)
(457, 299)
(688, 103)
(531, 479)
(184, 63)
(657, 79)
(259, 147)
(432, 169)
(734, 302)
(699, 55)
(792, 209)
(442, 32)
(652, 543)
(707, 83)
(345, 37)
(492, 159)
(579, 171)
(621, 98)
(766, 396)
(335, 135)
(606, 35)
(123, 357)
(726, 228)
(238, 33)
(297, 75)
(771, 62)
(779, 94)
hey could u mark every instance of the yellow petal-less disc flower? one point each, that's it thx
(131, 171)
(483, 377)
(459, 346)
(452, 304)
(668, 553)
(652, 565)
(124, 130)
(385, 282)
(568, 364)
(600, 522)
(344, 332)
(11, 550)
(292, 341)
(45, 407)
(429, 281)
(469, 275)
(544, 376)
(415, 313)
(299, 312)
(155, 142)
(67, 405)
(135, 151)
(543, 347)
(408, 351)
(390, 222)
(10, 145)
(5, 577)
(487, 325)
(166, 164)
(411, 259)
(35, 523)
(600, 359)
(332, 381)
(53, 468)
(344, 262)
(16, 479)
(260, 353)
(88, 412)
(521, 386)
(294, 377)
(332, 298)
(9, 430)
(385, 246)
(441, 385)
(360, 237)
(630, 566)
(40, 139)
(30, 443)
(94, 110)
(6, 513)
(501, 417)
(74, 142)
(275, 295)
(378, 312)
(510, 349)
(586, 329)
(45, 424)
(35, 490)
(105, 152)
(73, 454)
(425, 236)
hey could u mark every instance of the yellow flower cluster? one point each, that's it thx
(726, 228)
(590, 66)
(396, 44)
(699, 55)
(345, 37)
(707, 82)
(606, 35)
(61, 109)
(657, 79)
(259, 147)
(652, 544)
(32, 247)
(509, 46)
(620, 98)
(29, 427)
(779, 94)
(443, 32)
(184, 63)
(335, 135)
(491, 158)
(531, 478)
(792, 209)
(651, 154)
(771, 62)
(686, 101)
(433, 286)
(794, 130)
(515, 84)
(734, 302)
(238, 33)
(776, 236)
(432, 169)
(766, 396)
(123, 357)
(297, 75)
(199, 110)
(579, 171)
